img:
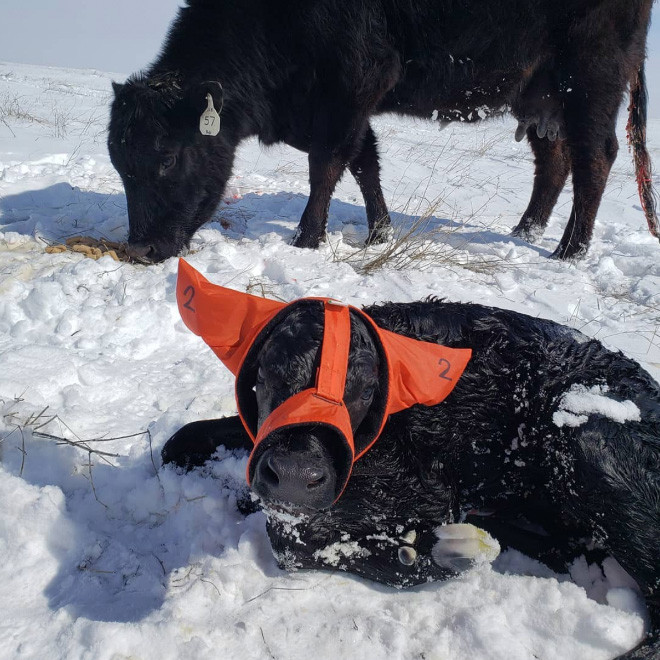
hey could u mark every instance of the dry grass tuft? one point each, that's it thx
(263, 288)
(14, 109)
(424, 244)
(33, 425)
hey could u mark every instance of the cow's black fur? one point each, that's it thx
(491, 447)
(311, 74)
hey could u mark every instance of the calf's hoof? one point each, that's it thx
(463, 545)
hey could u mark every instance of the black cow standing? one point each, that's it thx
(311, 74)
(506, 450)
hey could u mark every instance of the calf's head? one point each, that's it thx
(173, 175)
(315, 382)
(307, 464)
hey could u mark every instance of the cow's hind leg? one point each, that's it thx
(553, 164)
(591, 164)
(366, 170)
(538, 534)
(593, 92)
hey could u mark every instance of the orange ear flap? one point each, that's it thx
(227, 320)
(419, 371)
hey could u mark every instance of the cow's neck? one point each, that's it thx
(218, 55)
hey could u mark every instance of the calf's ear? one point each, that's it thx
(117, 87)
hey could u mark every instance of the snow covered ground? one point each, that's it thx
(105, 555)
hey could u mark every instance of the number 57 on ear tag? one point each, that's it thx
(209, 122)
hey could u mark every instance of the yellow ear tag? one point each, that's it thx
(209, 122)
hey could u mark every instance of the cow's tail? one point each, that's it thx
(637, 140)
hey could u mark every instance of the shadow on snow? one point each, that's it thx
(59, 211)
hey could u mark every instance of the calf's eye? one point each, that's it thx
(260, 376)
(167, 163)
(367, 393)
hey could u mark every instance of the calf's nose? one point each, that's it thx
(294, 479)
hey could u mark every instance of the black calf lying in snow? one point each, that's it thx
(546, 429)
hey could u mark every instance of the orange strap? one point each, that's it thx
(331, 378)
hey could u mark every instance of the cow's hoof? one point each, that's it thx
(463, 545)
(528, 232)
(569, 252)
(406, 553)
(305, 240)
(380, 234)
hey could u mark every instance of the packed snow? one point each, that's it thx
(107, 555)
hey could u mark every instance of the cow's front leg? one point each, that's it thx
(326, 167)
(366, 170)
(325, 170)
(596, 77)
(340, 131)
(395, 555)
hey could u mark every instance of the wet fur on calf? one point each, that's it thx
(492, 447)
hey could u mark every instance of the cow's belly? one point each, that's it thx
(459, 93)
